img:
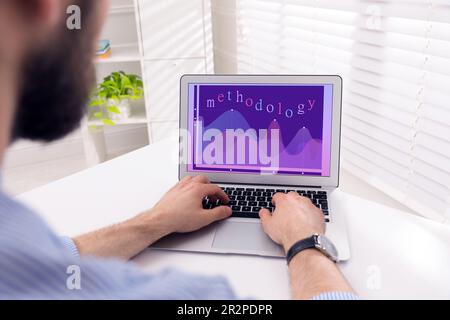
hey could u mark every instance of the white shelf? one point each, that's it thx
(122, 53)
(130, 25)
(138, 116)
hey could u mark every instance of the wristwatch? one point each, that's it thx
(319, 242)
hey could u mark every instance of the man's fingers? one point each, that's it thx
(265, 217)
(215, 191)
(201, 179)
(217, 214)
(184, 181)
(278, 197)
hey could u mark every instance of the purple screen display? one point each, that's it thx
(261, 128)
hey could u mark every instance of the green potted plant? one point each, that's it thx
(111, 99)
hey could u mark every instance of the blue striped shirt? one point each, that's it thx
(35, 263)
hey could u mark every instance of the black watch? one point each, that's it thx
(321, 243)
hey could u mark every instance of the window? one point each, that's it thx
(394, 56)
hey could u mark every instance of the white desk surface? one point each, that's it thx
(395, 255)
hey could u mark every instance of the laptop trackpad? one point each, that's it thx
(245, 237)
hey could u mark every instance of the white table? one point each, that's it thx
(394, 254)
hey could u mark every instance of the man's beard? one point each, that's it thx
(56, 83)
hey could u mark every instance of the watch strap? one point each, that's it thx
(305, 244)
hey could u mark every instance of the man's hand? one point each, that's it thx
(180, 210)
(295, 218)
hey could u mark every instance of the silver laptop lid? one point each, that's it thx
(267, 130)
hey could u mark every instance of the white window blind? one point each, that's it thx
(394, 56)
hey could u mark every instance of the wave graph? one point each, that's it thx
(303, 151)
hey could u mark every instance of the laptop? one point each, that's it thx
(255, 136)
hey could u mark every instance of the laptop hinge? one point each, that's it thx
(268, 184)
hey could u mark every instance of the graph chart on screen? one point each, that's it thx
(259, 128)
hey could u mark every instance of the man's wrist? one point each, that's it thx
(295, 237)
(150, 225)
(307, 257)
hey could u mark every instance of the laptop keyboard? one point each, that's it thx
(247, 202)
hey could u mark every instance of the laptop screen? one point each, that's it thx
(280, 129)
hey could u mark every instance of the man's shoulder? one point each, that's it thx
(36, 263)
(23, 234)
(11, 209)
(20, 225)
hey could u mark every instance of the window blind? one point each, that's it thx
(394, 56)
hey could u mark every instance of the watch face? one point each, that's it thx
(327, 247)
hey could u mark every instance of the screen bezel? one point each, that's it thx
(263, 179)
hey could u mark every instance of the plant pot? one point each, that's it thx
(123, 106)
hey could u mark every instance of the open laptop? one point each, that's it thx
(255, 136)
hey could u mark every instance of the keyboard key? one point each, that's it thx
(246, 209)
(236, 208)
(252, 203)
(259, 190)
(240, 198)
(267, 194)
(320, 196)
(258, 194)
(327, 220)
(242, 203)
(230, 188)
(324, 206)
(256, 209)
(207, 204)
(251, 215)
(326, 213)
(281, 190)
(250, 189)
(240, 189)
(237, 193)
(322, 192)
(270, 190)
(247, 193)
(263, 204)
(232, 197)
(251, 198)
(261, 198)
(232, 203)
